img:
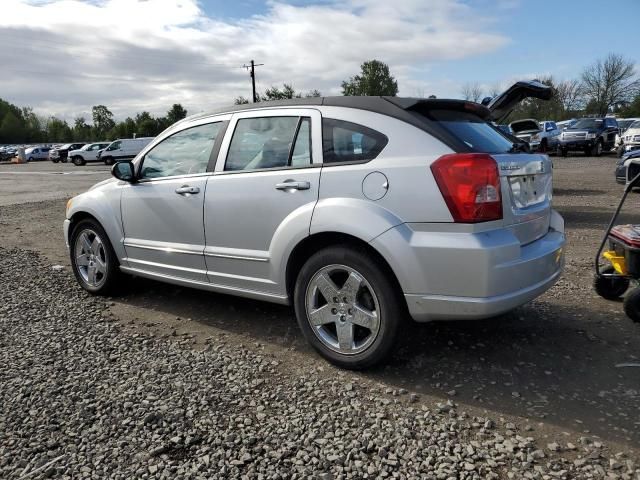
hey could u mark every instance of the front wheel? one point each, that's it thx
(108, 161)
(93, 260)
(610, 288)
(347, 307)
(596, 150)
(78, 161)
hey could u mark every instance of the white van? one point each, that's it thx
(123, 149)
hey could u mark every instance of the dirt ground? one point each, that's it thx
(556, 364)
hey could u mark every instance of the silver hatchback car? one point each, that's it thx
(356, 210)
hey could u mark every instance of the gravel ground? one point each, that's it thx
(82, 398)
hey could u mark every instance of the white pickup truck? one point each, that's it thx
(88, 153)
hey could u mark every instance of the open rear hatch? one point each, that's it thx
(502, 105)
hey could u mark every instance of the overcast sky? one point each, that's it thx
(63, 56)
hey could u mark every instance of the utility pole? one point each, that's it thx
(252, 73)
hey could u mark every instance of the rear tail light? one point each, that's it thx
(470, 185)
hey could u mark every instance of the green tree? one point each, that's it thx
(146, 125)
(11, 129)
(240, 100)
(609, 82)
(374, 79)
(176, 113)
(81, 132)
(102, 120)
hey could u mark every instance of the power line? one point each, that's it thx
(252, 73)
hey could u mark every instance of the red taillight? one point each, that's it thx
(470, 184)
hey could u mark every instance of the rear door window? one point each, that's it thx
(472, 130)
(270, 142)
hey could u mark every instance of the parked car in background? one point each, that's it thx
(304, 202)
(89, 153)
(36, 153)
(505, 129)
(630, 139)
(528, 131)
(7, 152)
(123, 149)
(61, 154)
(541, 136)
(628, 166)
(592, 136)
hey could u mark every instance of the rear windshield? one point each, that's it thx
(475, 132)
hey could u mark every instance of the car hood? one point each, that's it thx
(631, 131)
(102, 184)
(580, 130)
(525, 126)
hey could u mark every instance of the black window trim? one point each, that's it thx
(212, 156)
(273, 169)
(351, 162)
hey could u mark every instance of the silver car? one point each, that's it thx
(355, 210)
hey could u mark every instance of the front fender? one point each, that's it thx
(104, 206)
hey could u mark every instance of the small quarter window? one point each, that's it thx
(349, 142)
(183, 153)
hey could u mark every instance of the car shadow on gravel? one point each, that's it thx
(586, 217)
(545, 360)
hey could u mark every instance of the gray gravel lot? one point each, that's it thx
(78, 370)
(80, 398)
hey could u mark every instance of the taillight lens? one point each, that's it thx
(470, 185)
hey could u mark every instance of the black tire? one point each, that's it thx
(596, 150)
(391, 312)
(55, 161)
(78, 161)
(543, 146)
(610, 288)
(632, 305)
(30, 159)
(108, 160)
(620, 151)
(562, 151)
(112, 276)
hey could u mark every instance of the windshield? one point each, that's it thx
(635, 124)
(469, 128)
(588, 123)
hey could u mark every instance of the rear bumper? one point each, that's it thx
(475, 275)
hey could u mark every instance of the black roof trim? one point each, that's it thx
(405, 109)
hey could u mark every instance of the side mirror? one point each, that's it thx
(124, 171)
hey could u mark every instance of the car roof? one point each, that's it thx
(384, 105)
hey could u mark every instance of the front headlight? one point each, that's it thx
(591, 136)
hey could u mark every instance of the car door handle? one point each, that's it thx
(291, 185)
(185, 189)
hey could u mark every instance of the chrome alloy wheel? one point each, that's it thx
(90, 258)
(342, 309)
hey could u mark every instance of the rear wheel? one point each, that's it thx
(347, 307)
(108, 160)
(632, 305)
(93, 260)
(78, 161)
(610, 288)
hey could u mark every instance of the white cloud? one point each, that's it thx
(62, 56)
